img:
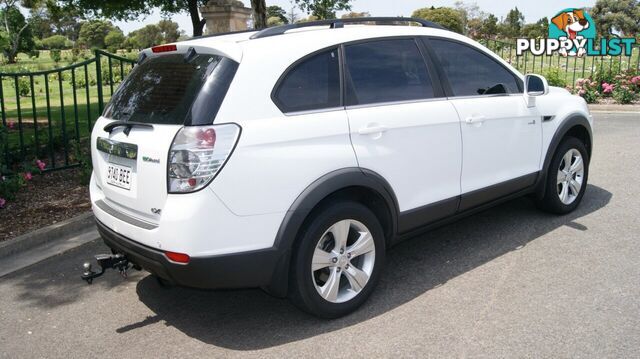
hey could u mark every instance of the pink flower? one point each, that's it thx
(11, 125)
(2, 202)
(41, 165)
(607, 88)
(582, 92)
(28, 176)
(635, 80)
(579, 82)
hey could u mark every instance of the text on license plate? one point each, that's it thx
(119, 176)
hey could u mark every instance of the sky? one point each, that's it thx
(532, 10)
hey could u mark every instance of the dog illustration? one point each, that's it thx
(571, 22)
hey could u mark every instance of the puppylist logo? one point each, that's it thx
(572, 32)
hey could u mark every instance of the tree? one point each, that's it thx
(471, 15)
(58, 42)
(323, 9)
(16, 30)
(512, 25)
(292, 15)
(94, 32)
(114, 40)
(351, 15)
(259, 14)
(148, 36)
(277, 12)
(445, 16)
(537, 30)
(617, 16)
(46, 19)
(133, 9)
(274, 21)
(489, 28)
(169, 30)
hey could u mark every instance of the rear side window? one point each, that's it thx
(386, 71)
(312, 84)
(163, 89)
(471, 72)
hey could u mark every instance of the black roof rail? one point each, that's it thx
(339, 23)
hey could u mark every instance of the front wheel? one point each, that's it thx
(566, 177)
(337, 260)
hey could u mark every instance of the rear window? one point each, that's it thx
(166, 89)
(312, 84)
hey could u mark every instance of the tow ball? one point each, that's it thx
(117, 261)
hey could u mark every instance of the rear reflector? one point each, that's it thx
(164, 48)
(177, 257)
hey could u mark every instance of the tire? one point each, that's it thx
(338, 275)
(561, 177)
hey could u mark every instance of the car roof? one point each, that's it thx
(299, 42)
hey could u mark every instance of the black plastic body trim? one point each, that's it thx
(325, 186)
(239, 270)
(478, 197)
(462, 214)
(417, 217)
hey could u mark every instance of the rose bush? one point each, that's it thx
(624, 88)
(13, 179)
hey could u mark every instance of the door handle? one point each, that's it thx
(372, 130)
(533, 122)
(475, 119)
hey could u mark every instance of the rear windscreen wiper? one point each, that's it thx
(127, 124)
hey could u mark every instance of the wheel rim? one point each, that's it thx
(570, 176)
(343, 261)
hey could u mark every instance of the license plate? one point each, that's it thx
(119, 176)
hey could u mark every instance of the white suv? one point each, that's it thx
(292, 158)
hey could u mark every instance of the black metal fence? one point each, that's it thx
(47, 114)
(566, 69)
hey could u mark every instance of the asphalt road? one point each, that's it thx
(509, 282)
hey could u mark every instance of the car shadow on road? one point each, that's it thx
(251, 319)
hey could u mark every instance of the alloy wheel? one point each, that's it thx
(343, 261)
(570, 176)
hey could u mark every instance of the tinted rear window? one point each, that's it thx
(312, 84)
(386, 71)
(162, 90)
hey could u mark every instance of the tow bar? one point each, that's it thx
(107, 261)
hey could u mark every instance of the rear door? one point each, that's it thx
(402, 128)
(160, 96)
(501, 136)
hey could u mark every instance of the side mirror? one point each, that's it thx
(534, 85)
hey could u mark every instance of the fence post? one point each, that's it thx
(99, 82)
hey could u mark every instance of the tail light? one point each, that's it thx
(197, 154)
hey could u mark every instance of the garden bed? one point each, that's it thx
(46, 199)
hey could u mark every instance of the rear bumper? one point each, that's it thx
(238, 270)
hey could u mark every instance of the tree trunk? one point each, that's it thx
(259, 14)
(196, 22)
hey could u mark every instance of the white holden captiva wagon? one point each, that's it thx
(292, 158)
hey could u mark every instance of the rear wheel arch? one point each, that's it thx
(347, 184)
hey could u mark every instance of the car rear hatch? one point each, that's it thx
(171, 87)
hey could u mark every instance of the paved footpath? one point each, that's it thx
(509, 282)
